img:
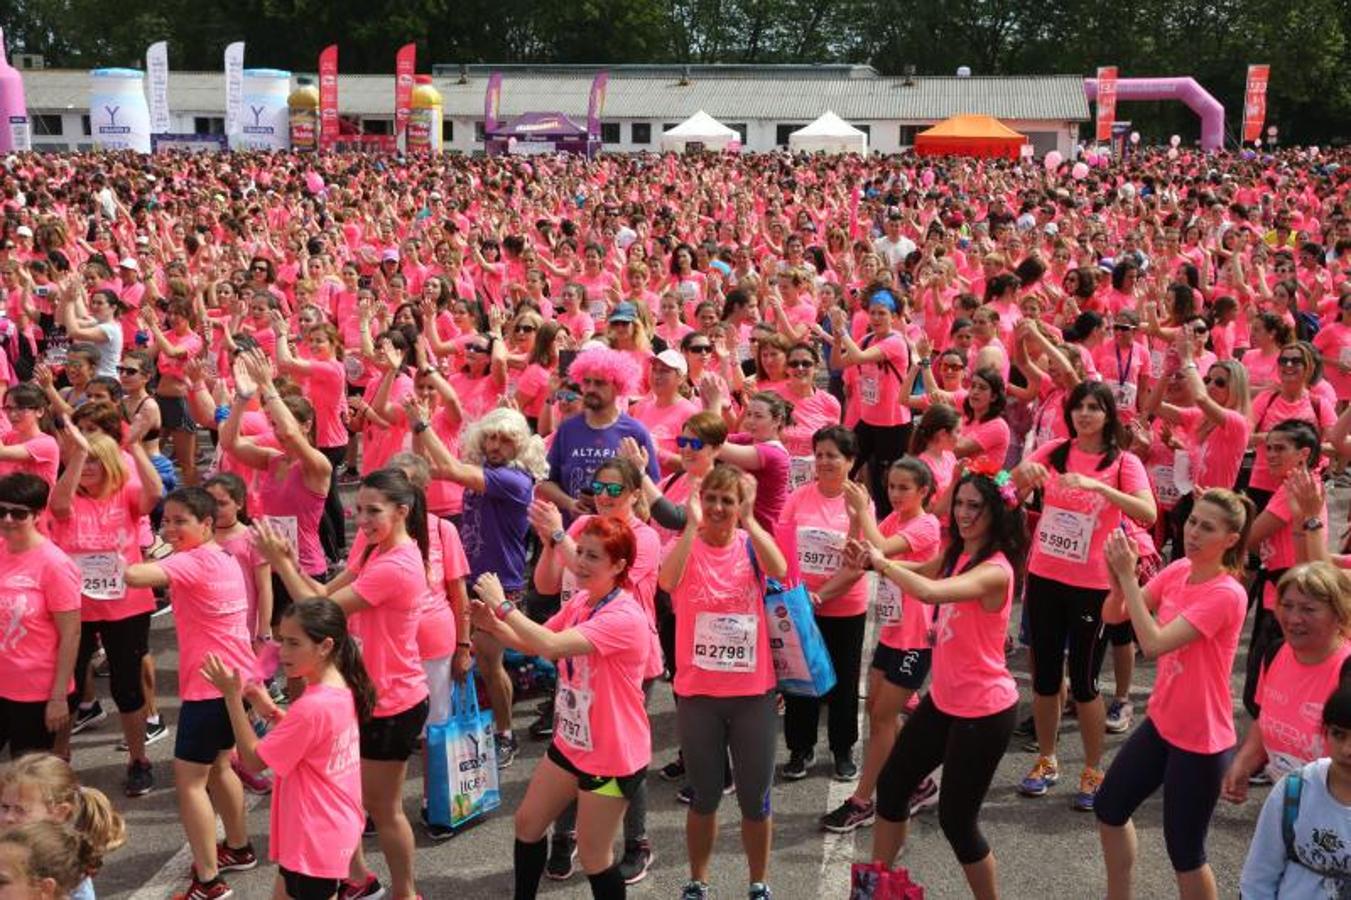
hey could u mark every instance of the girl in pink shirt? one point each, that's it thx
(902, 659)
(1187, 741)
(26, 447)
(985, 433)
(965, 721)
(724, 669)
(312, 748)
(602, 742)
(210, 617)
(382, 593)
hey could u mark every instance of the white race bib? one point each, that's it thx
(1165, 485)
(103, 576)
(887, 602)
(1124, 394)
(820, 551)
(572, 720)
(597, 309)
(1064, 534)
(869, 390)
(1156, 363)
(801, 470)
(724, 642)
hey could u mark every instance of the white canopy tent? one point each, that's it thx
(703, 130)
(829, 134)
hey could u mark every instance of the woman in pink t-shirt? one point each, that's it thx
(664, 412)
(1089, 481)
(174, 349)
(965, 721)
(901, 662)
(1186, 743)
(316, 814)
(26, 447)
(602, 740)
(210, 605)
(40, 612)
(1314, 612)
(813, 409)
(1289, 399)
(984, 437)
(724, 670)
(382, 592)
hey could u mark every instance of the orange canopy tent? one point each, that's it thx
(970, 136)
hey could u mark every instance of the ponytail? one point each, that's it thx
(321, 619)
(400, 490)
(102, 827)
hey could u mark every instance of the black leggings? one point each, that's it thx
(332, 527)
(1191, 788)
(1057, 613)
(125, 641)
(843, 636)
(969, 750)
(879, 446)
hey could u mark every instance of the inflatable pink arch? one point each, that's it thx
(1187, 90)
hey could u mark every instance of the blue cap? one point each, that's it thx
(624, 312)
(883, 298)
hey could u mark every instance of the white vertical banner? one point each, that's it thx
(234, 85)
(157, 68)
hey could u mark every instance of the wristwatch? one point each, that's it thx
(419, 427)
(1313, 524)
(557, 535)
(504, 610)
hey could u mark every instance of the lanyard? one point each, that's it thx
(1123, 375)
(595, 609)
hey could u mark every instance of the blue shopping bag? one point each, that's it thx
(802, 663)
(462, 780)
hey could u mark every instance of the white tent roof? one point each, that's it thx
(702, 125)
(828, 125)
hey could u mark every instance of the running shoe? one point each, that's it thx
(507, 748)
(154, 732)
(845, 767)
(849, 815)
(370, 890)
(1120, 715)
(87, 717)
(673, 770)
(100, 663)
(215, 889)
(1089, 782)
(924, 797)
(235, 859)
(1260, 778)
(543, 726)
(259, 784)
(798, 764)
(637, 860)
(685, 795)
(162, 608)
(694, 890)
(562, 856)
(140, 779)
(1044, 774)
(433, 830)
(759, 891)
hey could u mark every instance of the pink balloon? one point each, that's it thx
(314, 182)
(1175, 140)
(1103, 161)
(1053, 159)
(1079, 172)
(1172, 153)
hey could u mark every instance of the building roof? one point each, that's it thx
(786, 94)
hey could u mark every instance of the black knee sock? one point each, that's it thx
(608, 885)
(530, 862)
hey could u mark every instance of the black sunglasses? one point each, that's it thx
(1218, 382)
(1291, 361)
(17, 513)
(702, 348)
(800, 364)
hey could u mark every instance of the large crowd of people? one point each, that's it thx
(592, 411)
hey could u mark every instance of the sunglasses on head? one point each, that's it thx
(613, 488)
(17, 513)
(689, 443)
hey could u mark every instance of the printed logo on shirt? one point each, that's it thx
(12, 629)
(346, 752)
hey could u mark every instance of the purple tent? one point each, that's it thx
(541, 132)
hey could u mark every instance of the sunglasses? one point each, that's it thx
(566, 396)
(702, 348)
(953, 367)
(613, 488)
(1293, 361)
(1217, 382)
(17, 513)
(1123, 328)
(128, 370)
(1199, 329)
(260, 268)
(689, 443)
(800, 364)
(479, 348)
(526, 329)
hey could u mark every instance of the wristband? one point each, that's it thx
(419, 427)
(243, 397)
(464, 644)
(504, 610)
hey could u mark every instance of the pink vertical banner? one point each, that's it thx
(1106, 103)
(328, 96)
(492, 99)
(595, 108)
(405, 64)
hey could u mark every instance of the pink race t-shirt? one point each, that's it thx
(722, 636)
(1191, 705)
(879, 384)
(393, 585)
(172, 366)
(325, 383)
(600, 724)
(664, 424)
(809, 415)
(44, 457)
(1217, 454)
(970, 677)
(1291, 696)
(911, 632)
(103, 537)
(1334, 342)
(943, 465)
(993, 437)
(1075, 523)
(811, 531)
(1277, 552)
(380, 442)
(211, 611)
(314, 754)
(1271, 408)
(34, 585)
(246, 554)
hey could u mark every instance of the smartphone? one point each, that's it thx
(565, 358)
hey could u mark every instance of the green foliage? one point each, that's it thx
(1307, 44)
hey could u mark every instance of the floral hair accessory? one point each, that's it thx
(1002, 479)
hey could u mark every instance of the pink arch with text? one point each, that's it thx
(1186, 90)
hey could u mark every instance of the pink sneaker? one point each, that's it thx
(254, 784)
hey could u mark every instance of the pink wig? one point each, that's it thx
(615, 366)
